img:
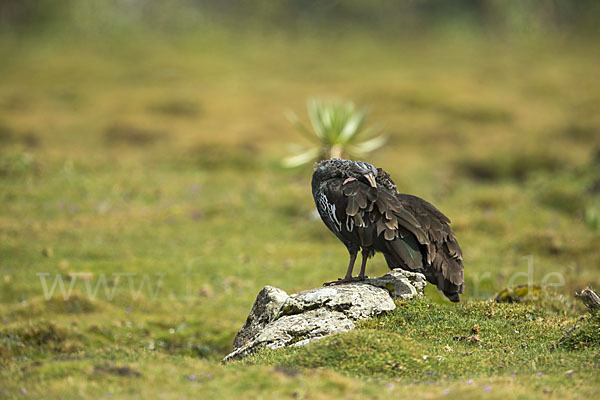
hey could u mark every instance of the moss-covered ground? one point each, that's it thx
(155, 164)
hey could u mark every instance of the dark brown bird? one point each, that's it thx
(362, 207)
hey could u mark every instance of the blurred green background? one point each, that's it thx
(147, 136)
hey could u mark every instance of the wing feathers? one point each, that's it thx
(408, 251)
(353, 205)
(411, 232)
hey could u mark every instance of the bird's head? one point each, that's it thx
(348, 170)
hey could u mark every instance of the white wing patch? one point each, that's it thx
(350, 224)
(330, 210)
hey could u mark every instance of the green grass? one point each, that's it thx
(426, 341)
(162, 157)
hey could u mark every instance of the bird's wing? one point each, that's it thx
(403, 234)
(350, 203)
(443, 252)
(375, 214)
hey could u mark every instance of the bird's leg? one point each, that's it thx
(348, 277)
(363, 266)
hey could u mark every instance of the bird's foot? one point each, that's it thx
(341, 281)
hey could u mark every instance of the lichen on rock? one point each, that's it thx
(278, 319)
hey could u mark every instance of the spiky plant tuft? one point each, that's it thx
(338, 127)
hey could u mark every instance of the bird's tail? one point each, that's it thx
(450, 290)
(404, 254)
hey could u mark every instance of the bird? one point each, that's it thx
(361, 205)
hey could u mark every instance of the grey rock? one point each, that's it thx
(400, 284)
(356, 300)
(278, 320)
(265, 310)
